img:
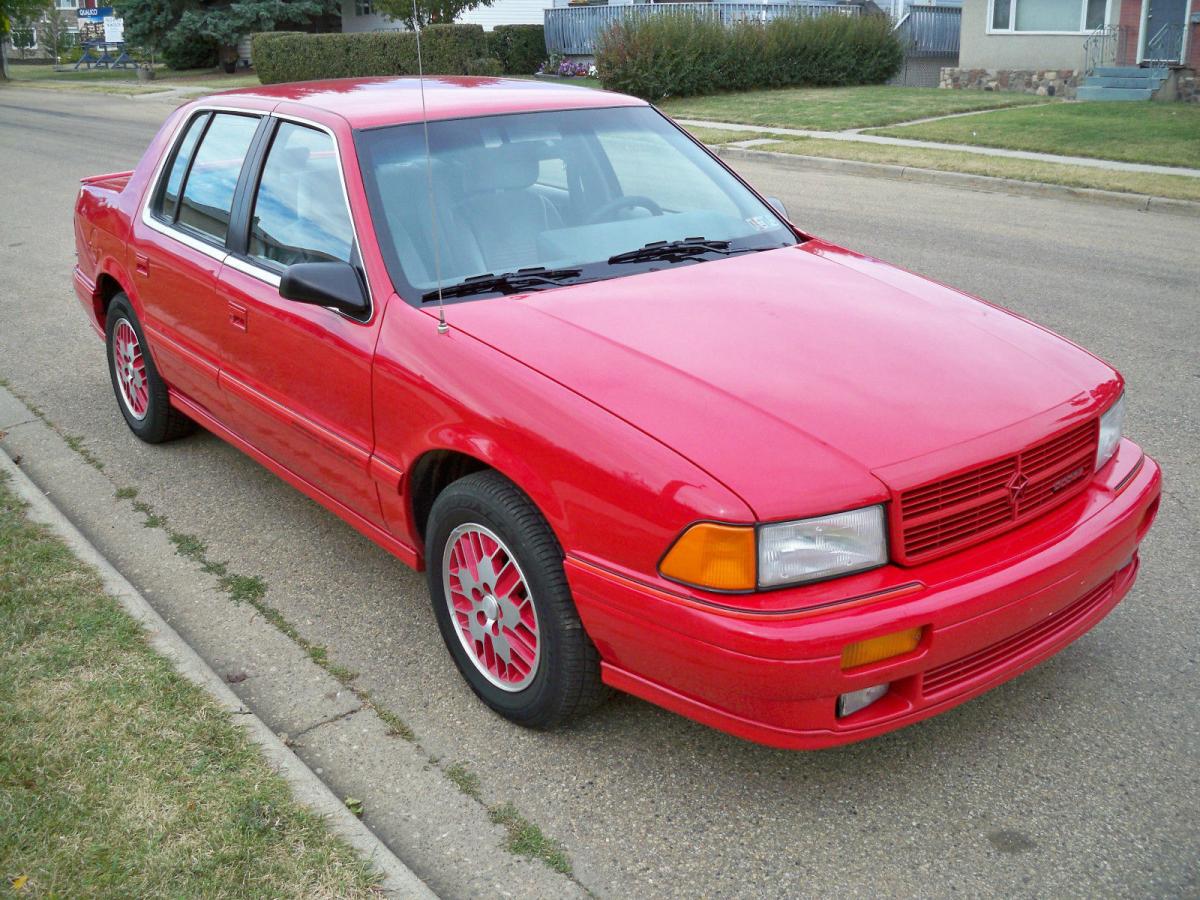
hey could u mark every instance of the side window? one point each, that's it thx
(300, 212)
(552, 173)
(209, 186)
(168, 203)
(633, 154)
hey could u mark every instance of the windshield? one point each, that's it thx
(574, 195)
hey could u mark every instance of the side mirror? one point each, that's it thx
(777, 205)
(334, 284)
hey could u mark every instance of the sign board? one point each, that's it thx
(114, 30)
(91, 23)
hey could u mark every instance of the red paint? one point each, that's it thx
(763, 387)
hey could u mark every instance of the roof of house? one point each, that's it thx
(372, 102)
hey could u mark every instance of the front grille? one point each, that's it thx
(956, 674)
(946, 515)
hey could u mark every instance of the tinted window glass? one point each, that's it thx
(208, 192)
(300, 212)
(183, 156)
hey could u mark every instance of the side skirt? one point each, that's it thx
(405, 553)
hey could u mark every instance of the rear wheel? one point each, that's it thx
(503, 604)
(141, 392)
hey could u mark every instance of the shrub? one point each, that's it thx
(291, 56)
(488, 65)
(683, 55)
(185, 52)
(520, 48)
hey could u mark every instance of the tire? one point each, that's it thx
(486, 517)
(141, 393)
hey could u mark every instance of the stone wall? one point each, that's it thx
(1187, 86)
(1043, 82)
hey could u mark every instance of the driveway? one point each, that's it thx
(1078, 778)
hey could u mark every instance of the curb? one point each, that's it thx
(397, 879)
(1141, 202)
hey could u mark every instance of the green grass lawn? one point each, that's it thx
(124, 81)
(118, 778)
(1179, 187)
(1163, 133)
(839, 108)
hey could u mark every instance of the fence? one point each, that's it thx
(930, 30)
(573, 30)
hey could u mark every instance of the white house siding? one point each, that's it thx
(502, 12)
(506, 12)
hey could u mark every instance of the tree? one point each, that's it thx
(12, 14)
(148, 23)
(426, 12)
(226, 24)
(55, 36)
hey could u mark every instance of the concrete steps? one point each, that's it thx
(1121, 83)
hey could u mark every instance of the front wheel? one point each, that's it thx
(503, 605)
(141, 393)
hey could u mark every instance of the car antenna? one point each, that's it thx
(437, 262)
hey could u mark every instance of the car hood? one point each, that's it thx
(803, 378)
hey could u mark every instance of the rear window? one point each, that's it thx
(210, 183)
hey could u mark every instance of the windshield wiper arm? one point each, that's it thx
(532, 279)
(688, 248)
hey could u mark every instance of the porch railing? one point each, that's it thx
(1165, 46)
(573, 30)
(1108, 45)
(930, 30)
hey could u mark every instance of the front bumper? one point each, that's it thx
(987, 614)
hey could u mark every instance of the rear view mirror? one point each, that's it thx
(333, 284)
(777, 205)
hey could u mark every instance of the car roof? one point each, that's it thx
(373, 102)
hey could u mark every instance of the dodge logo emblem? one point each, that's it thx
(1016, 484)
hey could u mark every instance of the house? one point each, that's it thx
(360, 15)
(1085, 49)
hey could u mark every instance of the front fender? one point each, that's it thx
(611, 493)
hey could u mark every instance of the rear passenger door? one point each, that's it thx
(179, 248)
(297, 377)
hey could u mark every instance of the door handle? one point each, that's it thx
(141, 263)
(237, 316)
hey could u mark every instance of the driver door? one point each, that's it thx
(297, 377)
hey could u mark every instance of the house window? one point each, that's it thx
(67, 4)
(363, 8)
(1047, 16)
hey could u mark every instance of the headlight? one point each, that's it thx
(1111, 424)
(812, 549)
(735, 558)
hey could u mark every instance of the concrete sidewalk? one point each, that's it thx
(1111, 165)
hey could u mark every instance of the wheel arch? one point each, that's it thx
(438, 467)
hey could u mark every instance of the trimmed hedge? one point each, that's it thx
(682, 55)
(292, 56)
(520, 48)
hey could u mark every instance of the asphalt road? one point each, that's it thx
(1077, 779)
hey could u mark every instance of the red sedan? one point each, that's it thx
(641, 431)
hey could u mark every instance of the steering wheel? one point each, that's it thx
(627, 202)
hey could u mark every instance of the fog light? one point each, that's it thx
(856, 700)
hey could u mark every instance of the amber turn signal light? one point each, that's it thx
(883, 647)
(717, 557)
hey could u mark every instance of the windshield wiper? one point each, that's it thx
(672, 251)
(532, 279)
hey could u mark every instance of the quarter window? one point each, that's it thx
(210, 184)
(169, 202)
(300, 212)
